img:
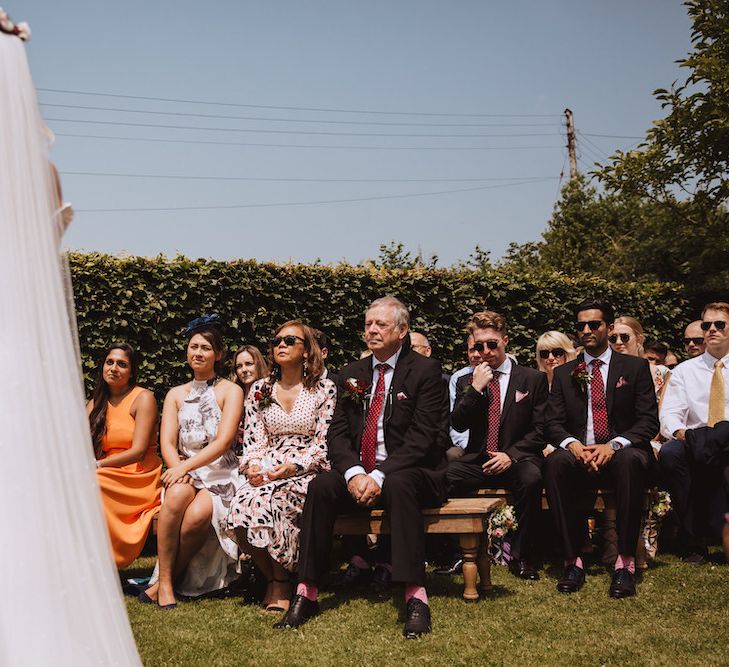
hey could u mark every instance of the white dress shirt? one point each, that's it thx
(458, 439)
(686, 398)
(605, 357)
(381, 452)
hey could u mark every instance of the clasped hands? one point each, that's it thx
(498, 462)
(593, 457)
(364, 489)
(256, 477)
(177, 474)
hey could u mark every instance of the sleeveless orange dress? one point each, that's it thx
(130, 494)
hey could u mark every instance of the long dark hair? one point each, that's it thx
(100, 396)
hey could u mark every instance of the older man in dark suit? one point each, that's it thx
(386, 448)
(502, 406)
(601, 416)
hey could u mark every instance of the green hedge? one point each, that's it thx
(147, 301)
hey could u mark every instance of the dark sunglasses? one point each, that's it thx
(624, 338)
(557, 353)
(670, 367)
(287, 340)
(593, 324)
(491, 344)
(695, 341)
(719, 324)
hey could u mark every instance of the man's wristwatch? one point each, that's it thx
(616, 445)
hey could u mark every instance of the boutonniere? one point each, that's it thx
(355, 390)
(581, 375)
(401, 396)
(622, 382)
(264, 396)
(521, 395)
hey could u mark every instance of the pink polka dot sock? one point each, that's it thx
(309, 591)
(627, 562)
(414, 591)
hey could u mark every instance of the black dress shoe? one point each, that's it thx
(352, 577)
(381, 581)
(572, 580)
(523, 569)
(455, 567)
(418, 619)
(623, 583)
(300, 610)
(694, 558)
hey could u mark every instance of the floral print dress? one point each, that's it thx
(270, 513)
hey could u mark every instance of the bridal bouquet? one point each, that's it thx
(502, 522)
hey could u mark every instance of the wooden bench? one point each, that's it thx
(465, 517)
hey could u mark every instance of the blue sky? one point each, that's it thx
(293, 81)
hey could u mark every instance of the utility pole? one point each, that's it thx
(571, 145)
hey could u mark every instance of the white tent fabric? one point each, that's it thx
(60, 599)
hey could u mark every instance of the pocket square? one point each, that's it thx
(402, 396)
(622, 382)
(520, 395)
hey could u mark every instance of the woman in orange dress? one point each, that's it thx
(123, 420)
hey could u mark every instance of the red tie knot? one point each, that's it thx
(382, 367)
(596, 363)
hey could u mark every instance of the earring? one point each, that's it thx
(306, 368)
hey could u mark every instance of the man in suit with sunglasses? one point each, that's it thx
(502, 404)
(694, 415)
(601, 416)
(693, 339)
(387, 449)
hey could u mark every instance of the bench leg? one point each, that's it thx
(483, 562)
(469, 547)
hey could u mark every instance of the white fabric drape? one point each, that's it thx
(60, 600)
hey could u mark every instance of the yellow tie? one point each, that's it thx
(716, 395)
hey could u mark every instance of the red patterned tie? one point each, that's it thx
(369, 436)
(492, 438)
(600, 424)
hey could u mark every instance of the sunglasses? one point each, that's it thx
(695, 341)
(719, 324)
(557, 353)
(287, 340)
(593, 324)
(491, 344)
(624, 338)
(670, 367)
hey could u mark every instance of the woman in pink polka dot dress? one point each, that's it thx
(284, 446)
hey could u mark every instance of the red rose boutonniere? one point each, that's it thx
(264, 396)
(355, 390)
(581, 375)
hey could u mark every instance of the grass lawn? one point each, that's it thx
(679, 617)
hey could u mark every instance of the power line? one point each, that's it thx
(298, 108)
(610, 136)
(293, 120)
(306, 203)
(597, 148)
(307, 132)
(314, 146)
(304, 180)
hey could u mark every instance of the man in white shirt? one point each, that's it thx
(697, 396)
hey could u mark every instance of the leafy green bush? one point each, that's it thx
(148, 301)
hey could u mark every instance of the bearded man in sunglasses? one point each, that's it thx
(694, 415)
(501, 404)
(601, 416)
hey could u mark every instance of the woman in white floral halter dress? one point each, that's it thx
(199, 423)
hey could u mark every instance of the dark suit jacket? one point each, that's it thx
(632, 407)
(415, 423)
(521, 430)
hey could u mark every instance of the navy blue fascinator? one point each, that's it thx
(204, 322)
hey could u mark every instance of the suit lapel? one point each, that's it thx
(402, 370)
(514, 380)
(581, 393)
(614, 370)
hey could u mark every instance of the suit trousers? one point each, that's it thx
(567, 482)
(404, 494)
(698, 494)
(523, 479)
